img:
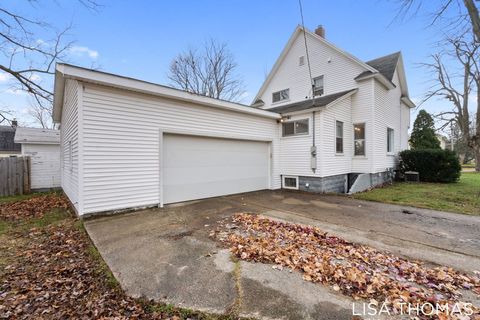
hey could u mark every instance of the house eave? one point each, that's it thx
(408, 102)
(320, 108)
(65, 71)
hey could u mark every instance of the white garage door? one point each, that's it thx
(201, 167)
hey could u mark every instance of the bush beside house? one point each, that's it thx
(433, 165)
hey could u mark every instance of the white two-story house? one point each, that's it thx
(352, 115)
(322, 122)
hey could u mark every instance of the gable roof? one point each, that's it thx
(37, 136)
(386, 65)
(65, 71)
(320, 102)
(7, 134)
(289, 44)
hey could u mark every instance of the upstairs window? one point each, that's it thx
(293, 128)
(301, 60)
(339, 137)
(359, 139)
(390, 138)
(281, 95)
(318, 86)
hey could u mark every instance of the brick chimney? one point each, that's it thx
(320, 31)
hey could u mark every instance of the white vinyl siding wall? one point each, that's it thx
(338, 74)
(329, 162)
(69, 142)
(121, 142)
(362, 112)
(45, 165)
(295, 150)
(388, 114)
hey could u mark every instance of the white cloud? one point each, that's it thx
(82, 51)
(4, 77)
(15, 91)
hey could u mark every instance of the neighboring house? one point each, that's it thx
(444, 142)
(7, 145)
(127, 143)
(43, 148)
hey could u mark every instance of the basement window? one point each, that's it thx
(290, 182)
(293, 128)
(281, 95)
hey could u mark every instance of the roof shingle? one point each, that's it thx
(309, 104)
(386, 65)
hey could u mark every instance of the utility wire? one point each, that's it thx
(306, 49)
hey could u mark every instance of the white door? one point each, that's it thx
(202, 167)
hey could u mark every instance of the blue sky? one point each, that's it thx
(140, 38)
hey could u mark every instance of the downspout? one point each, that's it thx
(313, 149)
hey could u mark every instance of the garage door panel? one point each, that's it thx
(201, 167)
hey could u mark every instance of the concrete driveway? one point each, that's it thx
(167, 255)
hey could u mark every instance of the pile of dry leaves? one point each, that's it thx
(34, 207)
(50, 273)
(356, 270)
(53, 276)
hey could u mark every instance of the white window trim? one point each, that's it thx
(364, 139)
(281, 101)
(290, 177)
(295, 134)
(391, 153)
(323, 94)
(343, 137)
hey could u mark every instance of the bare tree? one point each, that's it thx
(211, 72)
(456, 83)
(458, 15)
(30, 61)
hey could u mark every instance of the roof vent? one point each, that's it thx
(320, 31)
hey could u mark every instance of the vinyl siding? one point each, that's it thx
(338, 74)
(331, 163)
(362, 112)
(121, 144)
(69, 142)
(45, 164)
(388, 114)
(295, 150)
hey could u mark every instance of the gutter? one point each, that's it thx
(65, 71)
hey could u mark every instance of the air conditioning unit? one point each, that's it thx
(412, 176)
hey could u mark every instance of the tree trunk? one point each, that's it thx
(477, 158)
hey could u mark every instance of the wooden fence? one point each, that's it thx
(14, 176)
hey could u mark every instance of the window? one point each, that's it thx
(390, 137)
(318, 86)
(281, 95)
(301, 60)
(293, 128)
(290, 182)
(359, 138)
(339, 137)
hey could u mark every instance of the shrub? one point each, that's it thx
(433, 165)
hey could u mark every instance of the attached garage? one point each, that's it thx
(127, 143)
(196, 167)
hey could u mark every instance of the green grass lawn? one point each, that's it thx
(461, 197)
